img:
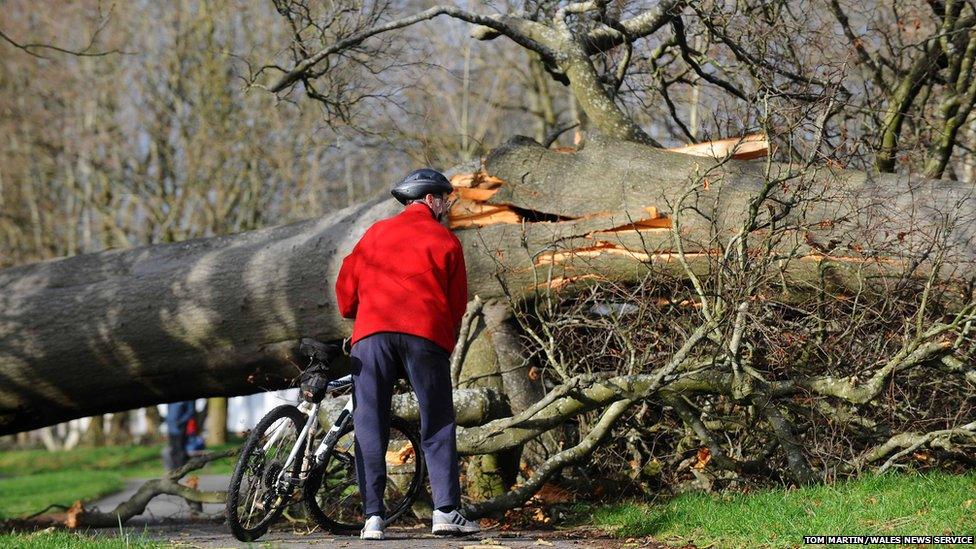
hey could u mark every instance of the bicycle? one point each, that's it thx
(277, 466)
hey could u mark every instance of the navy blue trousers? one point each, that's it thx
(178, 414)
(377, 362)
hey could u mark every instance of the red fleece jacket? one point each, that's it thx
(406, 274)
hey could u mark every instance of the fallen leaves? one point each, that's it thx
(551, 494)
(704, 456)
(526, 518)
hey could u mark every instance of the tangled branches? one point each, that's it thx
(724, 373)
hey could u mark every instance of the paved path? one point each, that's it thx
(168, 519)
(210, 535)
(167, 507)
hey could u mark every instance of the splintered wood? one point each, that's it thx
(470, 210)
(589, 251)
(608, 248)
(473, 190)
(746, 147)
(655, 220)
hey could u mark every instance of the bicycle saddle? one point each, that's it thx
(316, 350)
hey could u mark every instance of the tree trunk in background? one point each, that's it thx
(221, 316)
(216, 424)
(22, 439)
(120, 429)
(95, 434)
(154, 423)
(49, 439)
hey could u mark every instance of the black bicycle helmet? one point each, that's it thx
(419, 183)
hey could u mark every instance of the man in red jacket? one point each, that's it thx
(406, 287)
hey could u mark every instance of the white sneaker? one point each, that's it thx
(453, 523)
(373, 529)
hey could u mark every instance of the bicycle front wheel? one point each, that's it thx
(253, 498)
(331, 492)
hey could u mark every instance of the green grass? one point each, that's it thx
(46, 539)
(130, 461)
(894, 504)
(29, 494)
(30, 480)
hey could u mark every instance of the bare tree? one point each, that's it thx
(564, 37)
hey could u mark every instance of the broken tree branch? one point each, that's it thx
(78, 516)
(521, 494)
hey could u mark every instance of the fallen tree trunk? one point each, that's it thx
(221, 316)
(473, 407)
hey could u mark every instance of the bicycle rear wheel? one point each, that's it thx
(253, 500)
(331, 493)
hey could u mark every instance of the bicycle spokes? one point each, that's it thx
(337, 498)
(262, 488)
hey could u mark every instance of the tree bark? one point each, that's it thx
(221, 316)
(489, 475)
(516, 374)
(521, 381)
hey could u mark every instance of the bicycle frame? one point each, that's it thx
(308, 430)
